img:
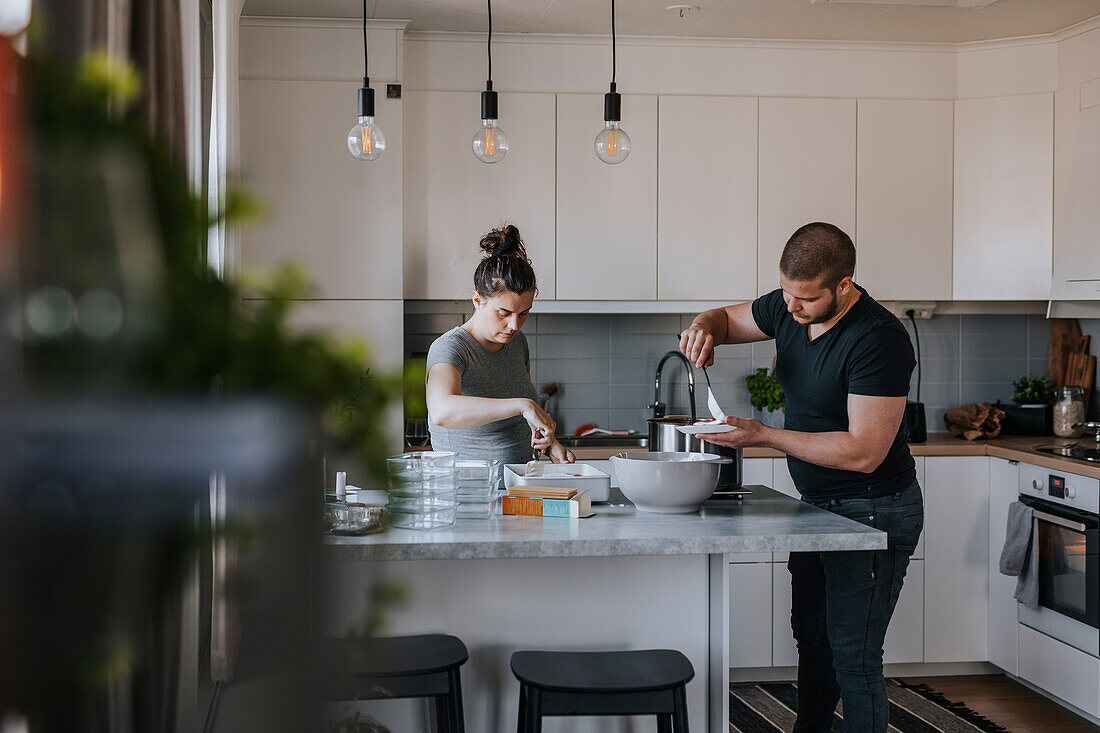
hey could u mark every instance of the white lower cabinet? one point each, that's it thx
(1061, 670)
(956, 568)
(904, 638)
(750, 589)
(1003, 635)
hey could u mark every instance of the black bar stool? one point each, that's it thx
(650, 682)
(400, 667)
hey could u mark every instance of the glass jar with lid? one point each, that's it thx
(1069, 410)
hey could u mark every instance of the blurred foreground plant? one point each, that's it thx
(117, 217)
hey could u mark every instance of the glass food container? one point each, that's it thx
(1069, 410)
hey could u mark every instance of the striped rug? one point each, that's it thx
(770, 707)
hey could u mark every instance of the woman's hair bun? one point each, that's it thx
(503, 241)
(506, 265)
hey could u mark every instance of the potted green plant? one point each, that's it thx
(1031, 414)
(765, 391)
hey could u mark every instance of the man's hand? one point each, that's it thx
(748, 433)
(697, 344)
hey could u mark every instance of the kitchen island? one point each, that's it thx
(617, 580)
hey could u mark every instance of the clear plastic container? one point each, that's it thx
(478, 478)
(423, 502)
(443, 482)
(478, 509)
(409, 469)
(438, 519)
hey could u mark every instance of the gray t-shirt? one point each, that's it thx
(499, 374)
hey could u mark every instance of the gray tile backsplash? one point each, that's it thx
(604, 364)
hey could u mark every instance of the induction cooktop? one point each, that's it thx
(1087, 452)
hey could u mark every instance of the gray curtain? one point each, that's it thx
(144, 32)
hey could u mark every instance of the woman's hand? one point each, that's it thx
(560, 454)
(542, 425)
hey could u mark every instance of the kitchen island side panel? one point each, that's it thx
(504, 605)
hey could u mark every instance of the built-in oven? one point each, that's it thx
(1066, 533)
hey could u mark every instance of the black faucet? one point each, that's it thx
(659, 407)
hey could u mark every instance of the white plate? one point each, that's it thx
(705, 428)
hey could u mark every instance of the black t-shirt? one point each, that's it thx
(867, 352)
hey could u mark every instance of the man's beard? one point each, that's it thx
(830, 312)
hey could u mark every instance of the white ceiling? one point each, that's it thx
(773, 19)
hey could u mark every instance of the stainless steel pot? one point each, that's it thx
(663, 436)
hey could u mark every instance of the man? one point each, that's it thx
(844, 363)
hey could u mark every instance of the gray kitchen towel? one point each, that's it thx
(1020, 555)
(1027, 584)
(1014, 555)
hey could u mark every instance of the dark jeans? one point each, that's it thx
(841, 606)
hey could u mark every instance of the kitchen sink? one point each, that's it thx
(604, 441)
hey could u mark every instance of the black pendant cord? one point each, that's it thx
(916, 335)
(489, 45)
(365, 74)
(612, 42)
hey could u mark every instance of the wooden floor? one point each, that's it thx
(1008, 703)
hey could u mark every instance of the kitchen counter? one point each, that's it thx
(765, 521)
(617, 580)
(1011, 447)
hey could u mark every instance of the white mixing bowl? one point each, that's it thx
(667, 482)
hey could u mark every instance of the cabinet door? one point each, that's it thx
(750, 592)
(807, 173)
(905, 636)
(706, 199)
(903, 199)
(1004, 208)
(339, 216)
(452, 199)
(956, 567)
(1003, 635)
(1059, 669)
(606, 214)
(784, 651)
(1076, 180)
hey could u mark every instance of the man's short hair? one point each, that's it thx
(819, 251)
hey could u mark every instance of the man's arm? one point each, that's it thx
(732, 324)
(872, 425)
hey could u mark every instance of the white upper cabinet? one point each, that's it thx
(807, 173)
(903, 199)
(452, 199)
(1004, 178)
(606, 214)
(339, 216)
(1076, 182)
(706, 176)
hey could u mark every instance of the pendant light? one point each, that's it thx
(612, 144)
(490, 143)
(365, 140)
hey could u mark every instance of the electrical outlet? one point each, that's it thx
(922, 311)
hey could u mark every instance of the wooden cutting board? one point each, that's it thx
(1065, 339)
(1081, 372)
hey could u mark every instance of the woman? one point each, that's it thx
(481, 402)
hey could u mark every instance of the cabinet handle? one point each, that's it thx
(1061, 522)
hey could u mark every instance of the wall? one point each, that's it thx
(604, 364)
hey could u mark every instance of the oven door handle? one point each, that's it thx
(1060, 521)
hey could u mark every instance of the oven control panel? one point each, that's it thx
(1081, 492)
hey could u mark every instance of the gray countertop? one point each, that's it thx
(765, 521)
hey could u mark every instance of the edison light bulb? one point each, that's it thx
(490, 143)
(365, 140)
(612, 144)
